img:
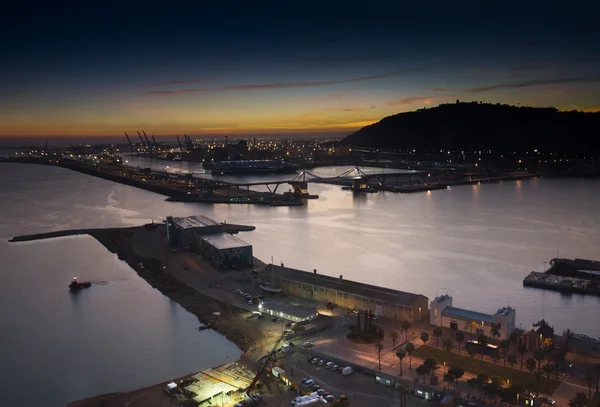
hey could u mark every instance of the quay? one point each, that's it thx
(184, 187)
(566, 275)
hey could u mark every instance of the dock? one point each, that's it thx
(570, 276)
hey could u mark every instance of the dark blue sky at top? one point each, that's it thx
(73, 35)
(94, 48)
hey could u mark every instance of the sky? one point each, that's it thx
(100, 68)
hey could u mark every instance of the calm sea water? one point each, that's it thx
(121, 334)
(475, 243)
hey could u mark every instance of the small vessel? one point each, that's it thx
(269, 288)
(77, 285)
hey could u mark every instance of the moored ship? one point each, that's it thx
(251, 166)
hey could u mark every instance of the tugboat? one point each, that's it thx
(77, 285)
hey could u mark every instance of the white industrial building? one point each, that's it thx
(443, 314)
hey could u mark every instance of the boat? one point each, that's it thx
(251, 166)
(269, 288)
(77, 285)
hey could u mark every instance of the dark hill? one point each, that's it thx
(482, 125)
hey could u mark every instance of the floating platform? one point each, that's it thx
(572, 276)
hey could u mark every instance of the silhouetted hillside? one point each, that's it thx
(456, 126)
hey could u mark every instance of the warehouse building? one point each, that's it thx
(182, 232)
(291, 312)
(224, 251)
(445, 315)
(383, 301)
(205, 236)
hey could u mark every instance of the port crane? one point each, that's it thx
(264, 366)
(130, 143)
(150, 146)
(190, 144)
(179, 142)
(141, 139)
(154, 142)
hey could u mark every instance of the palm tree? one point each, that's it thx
(424, 337)
(539, 355)
(494, 331)
(580, 400)
(458, 372)
(406, 327)
(394, 336)
(469, 326)
(504, 347)
(589, 379)
(460, 337)
(530, 364)
(379, 347)
(471, 351)
(514, 339)
(447, 344)
(449, 378)
(483, 341)
(400, 354)
(437, 332)
(522, 349)
(512, 361)
(409, 348)
(547, 369)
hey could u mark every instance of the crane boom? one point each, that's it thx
(148, 141)
(141, 139)
(153, 140)
(251, 387)
(179, 142)
(129, 141)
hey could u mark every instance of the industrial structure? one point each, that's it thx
(443, 314)
(207, 237)
(384, 302)
(290, 312)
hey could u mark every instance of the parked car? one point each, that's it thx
(335, 368)
(322, 362)
(328, 365)
(314, 361)
(320, 392)
(315, 387)
(309, 382)
(329, 398)
(308, 344)
(340, 369)
(347, 371)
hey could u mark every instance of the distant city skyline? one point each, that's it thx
(271, 69)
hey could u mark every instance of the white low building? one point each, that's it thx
(443, 314)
